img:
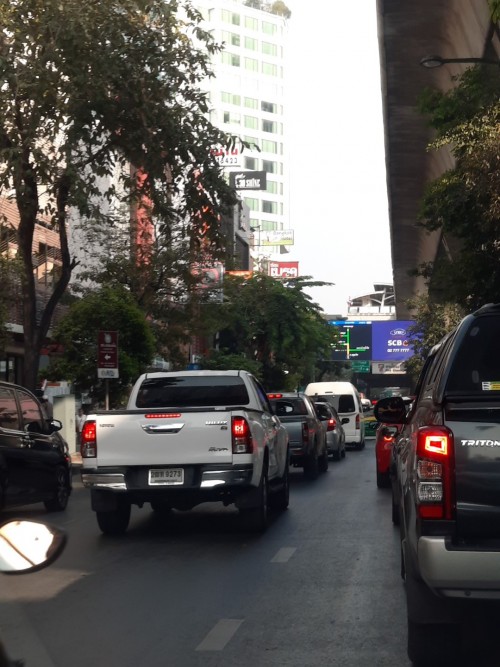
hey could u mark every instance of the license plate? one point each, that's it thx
(166, 477)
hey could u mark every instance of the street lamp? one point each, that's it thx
(437, 61)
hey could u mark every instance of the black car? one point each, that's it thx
(35, 465)
(445, 476)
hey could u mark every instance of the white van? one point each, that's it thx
(346, 400)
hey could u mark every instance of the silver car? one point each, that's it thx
(334, 431)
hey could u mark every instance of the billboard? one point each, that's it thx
(384, 341)
(355, 342)
(248, 180)
(284, 269)
(391, 340)
(276, 237)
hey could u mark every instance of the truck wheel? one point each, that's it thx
(59, 500)
(382, 480)
(395, 512)
(281, 498)
(323, 461)
(256, 518)
(336, 454)
(114, 522)
(311, 466)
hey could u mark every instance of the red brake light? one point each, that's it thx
(242, 438)
(88, 440)
(434, 467)
(275, 396)
(163, 415)
(332, 425)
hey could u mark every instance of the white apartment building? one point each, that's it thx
(247, 100)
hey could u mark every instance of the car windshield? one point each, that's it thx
(341, 402)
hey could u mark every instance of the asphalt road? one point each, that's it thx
(320, 587)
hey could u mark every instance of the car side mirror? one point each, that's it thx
(26, 546)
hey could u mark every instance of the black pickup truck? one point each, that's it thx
(446, 491)
(35, 464)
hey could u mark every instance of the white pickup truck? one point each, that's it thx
(186, 438)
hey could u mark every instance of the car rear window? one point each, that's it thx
(288, 407)
(192, 391)
(476, 367)
(341, 403)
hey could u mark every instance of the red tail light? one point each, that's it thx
(275, 396)
(305, 433)
(88, 440)
(358, 421)
(434, 473)
(332, 425)
(242, 438)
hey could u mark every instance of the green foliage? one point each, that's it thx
(273, 323)
(221, 360)
(495, 10)
(108, 309)
(89, 90)
(464, 202)
(432, 322)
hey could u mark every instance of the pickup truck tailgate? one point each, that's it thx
(184, 438)
(477, 469)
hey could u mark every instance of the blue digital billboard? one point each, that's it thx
(391, 340)
(359, 340)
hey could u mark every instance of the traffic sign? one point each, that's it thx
(107, 354)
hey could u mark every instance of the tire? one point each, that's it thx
(360, 445)
(116, 521)
(336, 455)
(311, 467)
(59, 500)
(280, 499)
(256, 518)
(343, 453)
(323, 461)
(383, 481)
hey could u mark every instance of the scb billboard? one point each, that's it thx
(389, 340)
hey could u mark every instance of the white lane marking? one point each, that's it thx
(220, 635)
(284, 555)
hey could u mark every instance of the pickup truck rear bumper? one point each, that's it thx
(459, 572)
(196, 477)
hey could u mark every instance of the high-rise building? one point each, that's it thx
(247, 97)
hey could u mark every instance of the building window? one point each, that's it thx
(251, 141)
(251, 103)
(269, 49)
(269, 166)
(269, 146)
(268, 107)
(251, 23)
(250, 163)
(251, 44)
(230, 17)
(252, 203)
(272, 187)
(269, 69)
(268, 226)
(269, 207)
(269, 126)
(232, 118)
(251, 64)
(251, 122)
(230, 59)
(268, 28)
(229, 98)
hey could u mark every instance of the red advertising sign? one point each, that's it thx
(284, 269)
(107, 354)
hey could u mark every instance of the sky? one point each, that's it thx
(338, 195)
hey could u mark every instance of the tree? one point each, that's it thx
(464, 203)
(106, 309)
(432, 322)
(274, 323)
(89, 91)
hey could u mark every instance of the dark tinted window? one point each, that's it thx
(192, 391)
(346, 403)
(289, 406)
(31, 412)
(476, 367)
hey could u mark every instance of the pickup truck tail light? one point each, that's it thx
(88, 440)
(358, 422)
(305, 433)
(434, 473)
(242, 438)
(332, 425)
